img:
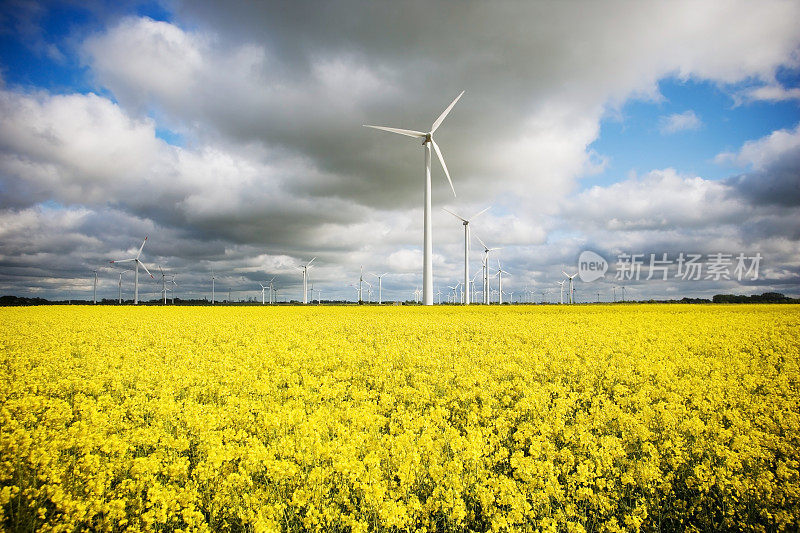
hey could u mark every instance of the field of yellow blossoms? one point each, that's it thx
(523, 418)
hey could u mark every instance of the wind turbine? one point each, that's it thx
(163, 284)
(562, 282)
(427, 141)
(175, 284)
(305, 279)
(486, 250)
(361, 286)
(263, 288)
(271, 291)
(369, 291)
(500, 273)
(212, 285)
(380, 296)
(570, 283)
(120, 284)
(466, 222)
(136, 270)
(473, 292)
(439, 294)
(94, 292)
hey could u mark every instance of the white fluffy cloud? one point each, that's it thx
(688, 120)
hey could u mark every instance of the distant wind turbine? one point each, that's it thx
(174, 286)
(570, 284)
(466, 222)
(137, 263)
(213, 278)
(120, 284)
(263, 288)
(500, 273)
(562, 282)
(486, 250)
(427, 141)
(380, 294)
(305, 279)
(94, 292)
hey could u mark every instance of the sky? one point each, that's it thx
(230, 134)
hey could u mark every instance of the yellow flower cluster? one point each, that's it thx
(523, 418)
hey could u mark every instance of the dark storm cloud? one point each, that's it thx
(777, 184)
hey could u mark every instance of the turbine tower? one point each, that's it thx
(486, 250)
(305, 279)
(94, 292)
(137, 263)
(465, 222)
(500, 273)
(427, 141)
(380, 295)
(570, 283)
(263, 288)
(213, 278)
(361, 286)
(562, 282)
(163, 284)
(120, 284)
(174, 285)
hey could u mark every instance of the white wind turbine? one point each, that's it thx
(305, 279)
(500, 273)
(427, 141)
(94, 292)
(137, 263)
(473, 292)
(263, 288)
(486, 250)
(174, 285)
(562, 282)
(361, 285)
(120, 284)
(271, 292)
(570, 283)
(369, 291)
(213, 279)
(163, 284)
(466, 222)
(380, 295)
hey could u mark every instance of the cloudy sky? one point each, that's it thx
(230, 133)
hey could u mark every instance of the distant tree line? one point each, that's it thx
(765, 298)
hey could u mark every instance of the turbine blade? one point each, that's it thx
(479, 213)
(441, 160)
(122, 261)
(309, 263)
(482, 243)
(444, 113)
(565, 273)
(145, 269)
(455, 215)
(141, 247)
(408, 133)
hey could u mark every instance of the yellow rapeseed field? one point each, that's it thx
(523, 418)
